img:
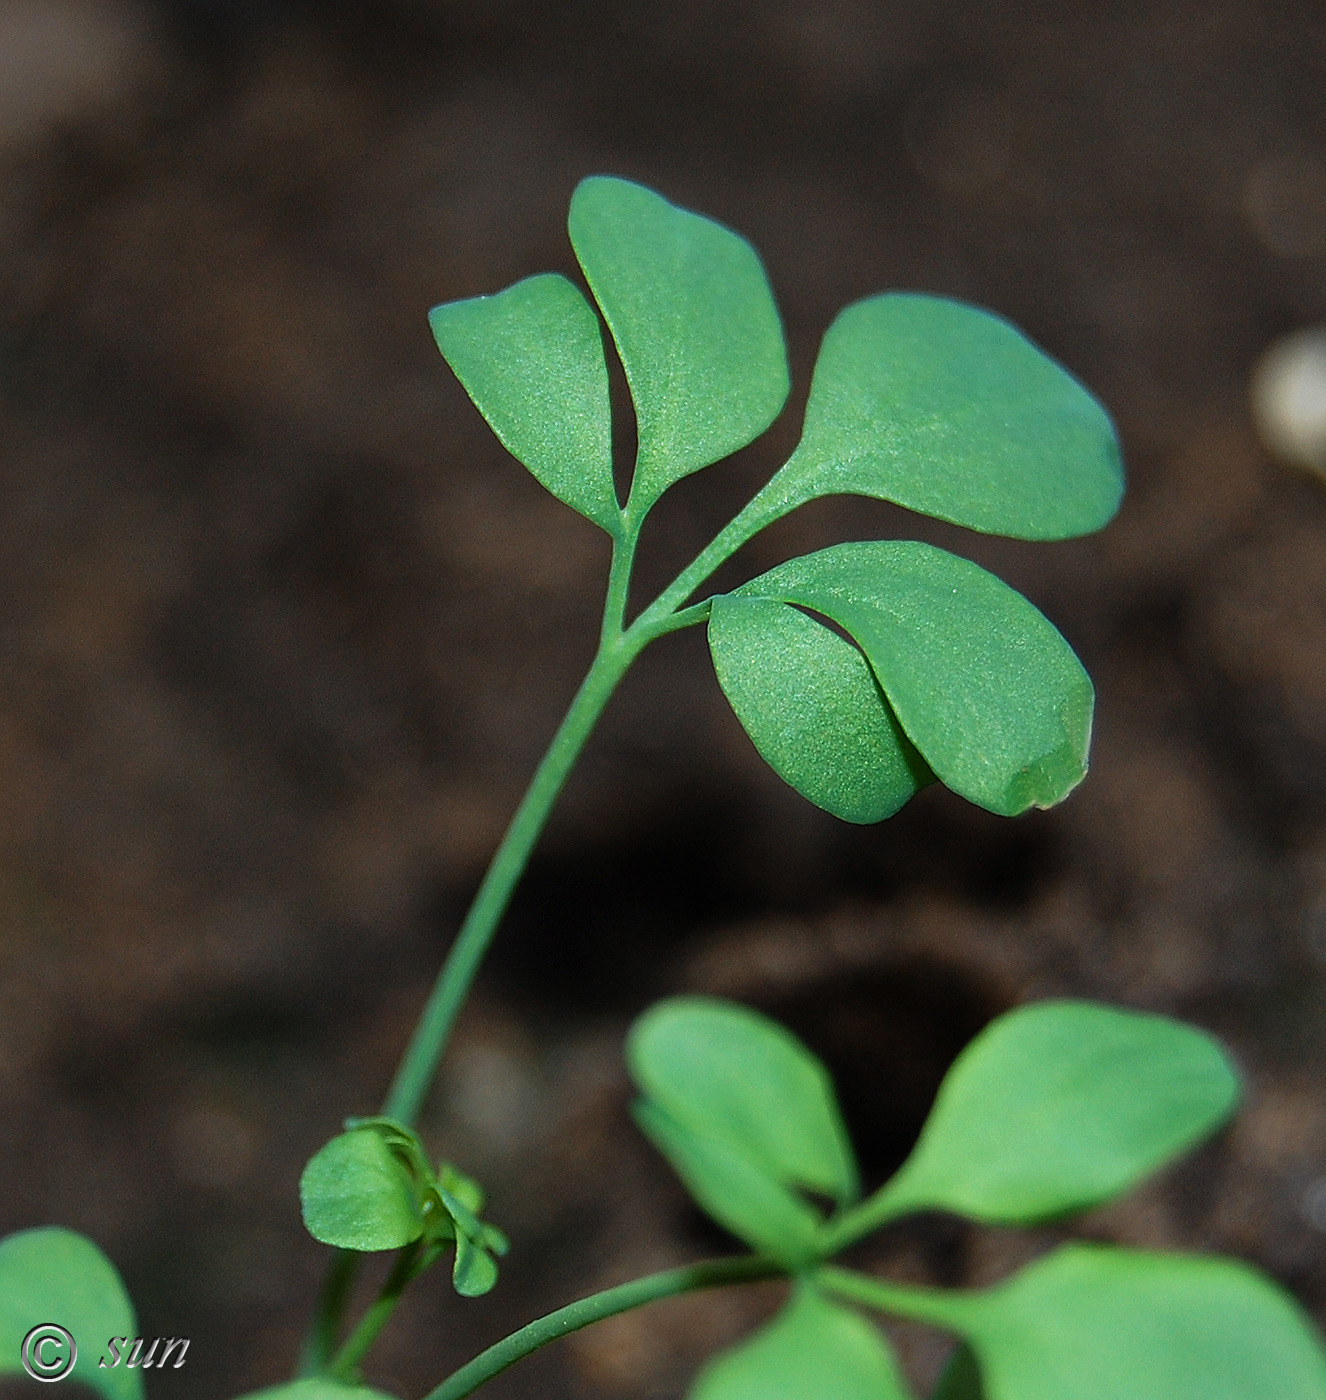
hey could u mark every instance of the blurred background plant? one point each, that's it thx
(285, 631)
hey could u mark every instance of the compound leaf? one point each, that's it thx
(724, 1070)
(738, 1191)
(531, 358)
(813, 709)
(952, 412)
(357, 1194)
(316, 1388)
(1090, 1322)
(812, 1350)
(1062, 1105)
(980, 681)
(695, 324)
(51, 1277)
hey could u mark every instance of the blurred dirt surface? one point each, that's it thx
(285, 630)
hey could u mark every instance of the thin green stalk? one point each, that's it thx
(619, 585)
(518, 1345)
(762, 509)
(433, 1030)
(941, 1307)
(617, 650)
(321, 1340)
(886, 1205)
(355, 1347)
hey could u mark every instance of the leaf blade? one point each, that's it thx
(736, 1191)
(52, 1275)
(1091, 1322)
(356, 1194)
(531, 359)
(473, 1272)
(812, 708)
(694, 322)
(1060, 1106)
(812, 1350)
(1001, 711)
(951, 411)
(726, 1071)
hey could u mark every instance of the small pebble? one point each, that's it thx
(1289, 399)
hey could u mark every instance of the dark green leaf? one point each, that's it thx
(54, 1276)
(962, 1377)
(695, 325)
(953, 412)
(1062, 1105)
(812, 1350)
(356, 1193)
(737, 1191)
(1094, 1323)
(317, 1389)
(813, 709)
(531, 358)
(727, 1072)
(982, 684)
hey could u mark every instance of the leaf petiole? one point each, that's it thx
(410, 1263)
(715, 1273)
(943, 1308)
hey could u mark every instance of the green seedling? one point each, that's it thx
(861, 673)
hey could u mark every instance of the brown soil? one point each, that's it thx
(285, 630)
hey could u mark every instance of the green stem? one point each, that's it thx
(331, 1304)
(595, 1308)
(433, 1030)
(355, 1347)
(617, 649)
(619, 585)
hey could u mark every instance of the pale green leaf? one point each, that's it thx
(984, 686)
(729, 1073)
(1090, 1322)
(55, 1276)
(953, 412)
(695, 324)
(740, 1193)
(812, 1350)
(531, 358)
(357, 1194)
(813, 709)
(1062, 1105)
